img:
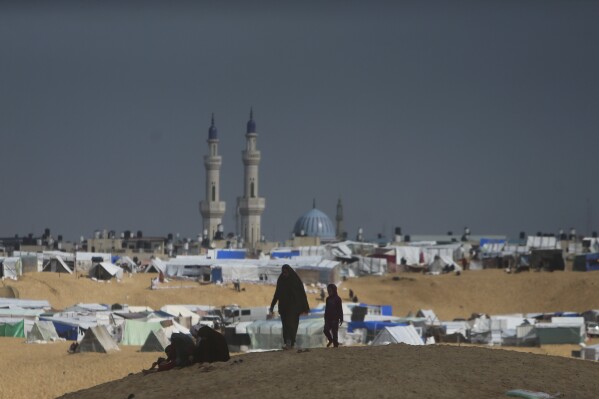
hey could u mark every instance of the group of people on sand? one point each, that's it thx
(208, 345)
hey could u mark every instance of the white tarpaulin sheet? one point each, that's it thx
(410, 254)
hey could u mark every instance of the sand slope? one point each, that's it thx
(370, 372)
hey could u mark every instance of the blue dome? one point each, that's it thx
(251, 126)
(212, 132)
(315, 223)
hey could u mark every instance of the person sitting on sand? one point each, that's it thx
(180, 354)
(211, 345)
(170, 355)
(333, 316)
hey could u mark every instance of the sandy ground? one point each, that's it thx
(48, 371)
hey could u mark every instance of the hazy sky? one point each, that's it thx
(427, 115)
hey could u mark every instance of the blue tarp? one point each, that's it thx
(386, 310)
(592, 262)
(230, 254)
(216, 274)
(372, 325)
(484, 241)
(285, 254)
(66, 331)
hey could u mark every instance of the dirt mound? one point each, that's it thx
(382, 372)
(8, 292)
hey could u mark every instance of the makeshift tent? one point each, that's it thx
(586, 263)
(11, 267)
(267, 334)
(156, 342)
(57, 265)
(97, 339)
(552, 333)
(136, 332)
(430, 316)
(9, 329)
(398, 335)
(43, 331)
(156, 266)
(105, 271)
(590, 352)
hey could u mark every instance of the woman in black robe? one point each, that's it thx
(211, 347)
(293, 302)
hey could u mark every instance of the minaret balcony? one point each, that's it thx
(251, 157)
(251, 206)
(212, 208)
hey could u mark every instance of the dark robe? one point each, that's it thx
(292, 299)
(212, 346)
(333, 316)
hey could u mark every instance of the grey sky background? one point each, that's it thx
(431, 116)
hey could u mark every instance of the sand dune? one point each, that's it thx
(47, 371)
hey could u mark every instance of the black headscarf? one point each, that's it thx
(290, 293)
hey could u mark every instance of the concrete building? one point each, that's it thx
(251, 206)
(212, 208)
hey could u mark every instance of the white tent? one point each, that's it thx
(11, 267)
(42, 331)
(105, 271)
(97, 339)
(56, 264)
(398, 335)
(590, 352)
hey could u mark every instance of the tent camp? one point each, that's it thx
(156, 342)
(42, 331)
(105, 271)
(398, 335)
(97, 339)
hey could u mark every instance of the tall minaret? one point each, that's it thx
(212, 208)
(250, 205)
(339, 219)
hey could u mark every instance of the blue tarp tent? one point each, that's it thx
(586, 263)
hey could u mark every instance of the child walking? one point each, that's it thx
(333, 316)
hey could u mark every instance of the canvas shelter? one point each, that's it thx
(11, 267)
(105, 271)
(43, 331)
(398, 335)
(586, 263)
(590, 352)
(156, 342)
(12, 328)
(97, 339)
(58, 265)
(267, 334)
(84, 260)
(135, 332)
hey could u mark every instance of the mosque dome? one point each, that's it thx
(212, 132)
(315, 223)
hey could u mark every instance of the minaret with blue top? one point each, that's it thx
(212, 208)
(251, 205)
